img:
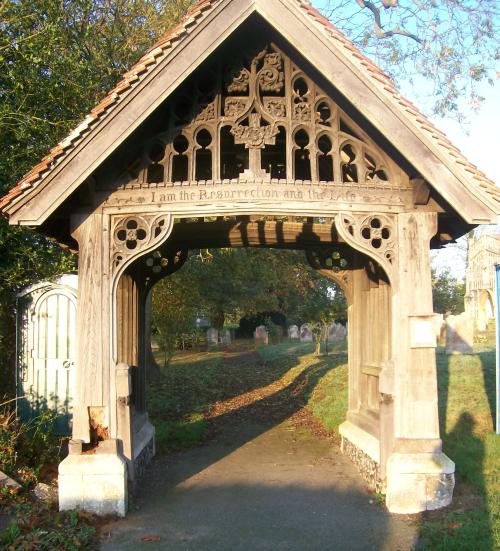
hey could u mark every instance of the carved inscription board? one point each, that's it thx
(240, 197)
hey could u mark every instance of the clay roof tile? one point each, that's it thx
(134, 75)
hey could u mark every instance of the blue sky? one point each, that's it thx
(478, 139)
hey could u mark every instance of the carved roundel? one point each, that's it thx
(378, 234)
(130, 233)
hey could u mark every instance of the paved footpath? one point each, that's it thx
(258, 489)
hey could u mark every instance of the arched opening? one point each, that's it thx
(187, 321)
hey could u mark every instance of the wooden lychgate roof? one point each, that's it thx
(208, 23)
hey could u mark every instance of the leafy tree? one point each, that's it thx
(175, 303)
(225, 285)
(447, 293)
(445, 47)
(57, 59)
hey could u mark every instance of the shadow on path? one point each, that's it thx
(261, 483)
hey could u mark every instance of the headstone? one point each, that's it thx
(261, 335)
(212, 336)
(336, 332)
(226, 337)
(459, 334)
(155, 347)
(293, 332)
(306, 334)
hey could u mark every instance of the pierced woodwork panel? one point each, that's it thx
(258, 116)
(335, 264)
(374, 235)
(162, 262)
(134, 234)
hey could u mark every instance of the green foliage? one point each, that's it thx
(180, 433)
(225, 285)
(57, 60)
(328, 402)
(175, 306)
(447, 293)
(275, 331)
(27, 448)
(44, 529)
(466, 402)
(179, 397)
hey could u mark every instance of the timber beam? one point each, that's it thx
(247, 233)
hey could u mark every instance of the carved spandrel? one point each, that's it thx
(159, 263)
(373, 235)
(335, 264)
(132, 235)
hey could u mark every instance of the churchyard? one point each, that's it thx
(203, 391)
(254, 168)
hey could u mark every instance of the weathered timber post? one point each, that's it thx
(97, 482)
(110, 326)
(92, 413)
(419, 475)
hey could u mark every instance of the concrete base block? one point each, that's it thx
(418, 482)
(95, 483)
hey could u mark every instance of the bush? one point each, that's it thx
(27, 448)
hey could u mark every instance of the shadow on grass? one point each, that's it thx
(467, 522)
(182, 403)
(488, 363)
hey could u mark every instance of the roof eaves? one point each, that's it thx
(35, 177)
(464, 169)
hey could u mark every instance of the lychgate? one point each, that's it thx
(257, 123)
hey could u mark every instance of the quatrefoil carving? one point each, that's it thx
(374, 235)
(131, 232)
(133, 235)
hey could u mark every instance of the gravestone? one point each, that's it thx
(306, 334)
(293, 332)
(261, 335)
(212, 336)
(336, 332)
(226, 337)
(459, 334)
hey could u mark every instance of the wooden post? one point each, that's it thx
(419, 475)
(92, 416)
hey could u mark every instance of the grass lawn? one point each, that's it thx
(198, 389)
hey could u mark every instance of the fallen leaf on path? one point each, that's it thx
(151, 538)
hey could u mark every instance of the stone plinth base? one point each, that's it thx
(96, 483)
(363, 450)
(419, 481)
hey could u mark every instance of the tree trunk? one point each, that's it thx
(218, 320)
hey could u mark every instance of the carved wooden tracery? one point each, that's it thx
(335, 264)
(134, 235)
(373, 235)
(259, 118)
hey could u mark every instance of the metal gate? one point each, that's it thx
(46, 351)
